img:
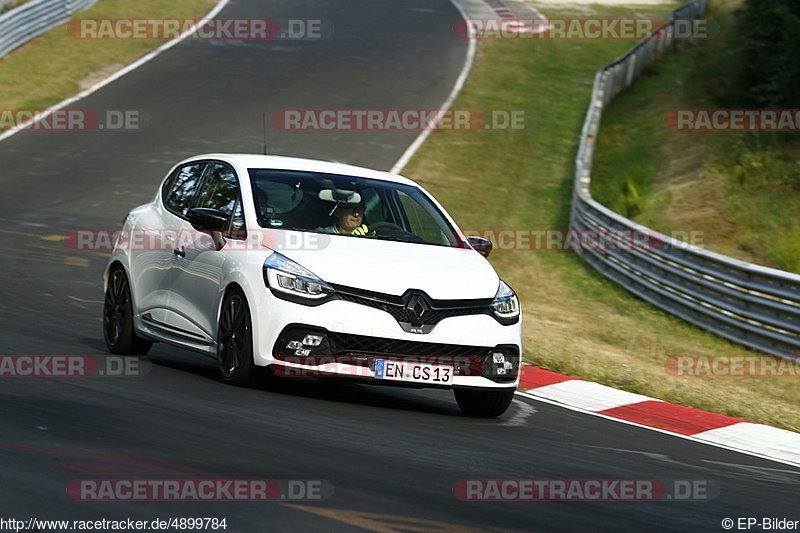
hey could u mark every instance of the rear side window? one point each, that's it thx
(184, 184)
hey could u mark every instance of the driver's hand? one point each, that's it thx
(361, 230)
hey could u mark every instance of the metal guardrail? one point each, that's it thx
(753, 305)
(23, 23)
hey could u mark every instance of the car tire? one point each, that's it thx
(235, 340)
(487, 403)
(118, 330)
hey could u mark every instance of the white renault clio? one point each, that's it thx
(313, 268)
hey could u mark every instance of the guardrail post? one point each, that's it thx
(631, 70)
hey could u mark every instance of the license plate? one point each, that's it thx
(413, 372)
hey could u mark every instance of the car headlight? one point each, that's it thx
(284, 275)
(505, 303)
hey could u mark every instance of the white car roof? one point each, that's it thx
(297, 163)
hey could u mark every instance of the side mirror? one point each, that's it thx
(481, 245)
(207, 220)
(211, 221)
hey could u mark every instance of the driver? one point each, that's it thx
(349, 220)
(262, 204)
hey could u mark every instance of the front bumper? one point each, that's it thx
(355, 356)
(355, 336)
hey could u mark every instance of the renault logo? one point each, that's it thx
(417, 309)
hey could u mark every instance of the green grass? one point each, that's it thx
(55, 65)
(575, 321)
(741, 190)
(763, 199)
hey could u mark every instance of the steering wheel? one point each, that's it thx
(380, 226)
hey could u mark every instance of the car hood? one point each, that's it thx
(392, 267)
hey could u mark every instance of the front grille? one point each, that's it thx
(434, 312)
(396, 310)
(359, 344)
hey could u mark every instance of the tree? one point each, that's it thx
(770, 32)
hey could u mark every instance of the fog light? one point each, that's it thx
(302, 351)
(501, 364)
(294, 345)
(312, 340)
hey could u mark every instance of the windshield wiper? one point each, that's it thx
(408, 237)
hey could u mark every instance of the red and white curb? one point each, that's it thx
(718, 430)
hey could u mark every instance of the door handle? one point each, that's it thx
(179, 253)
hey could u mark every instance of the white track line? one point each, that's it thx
(118, 74)
(462, 78)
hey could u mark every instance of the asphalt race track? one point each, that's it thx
(391, 457)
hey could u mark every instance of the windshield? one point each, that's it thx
(348, 205)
